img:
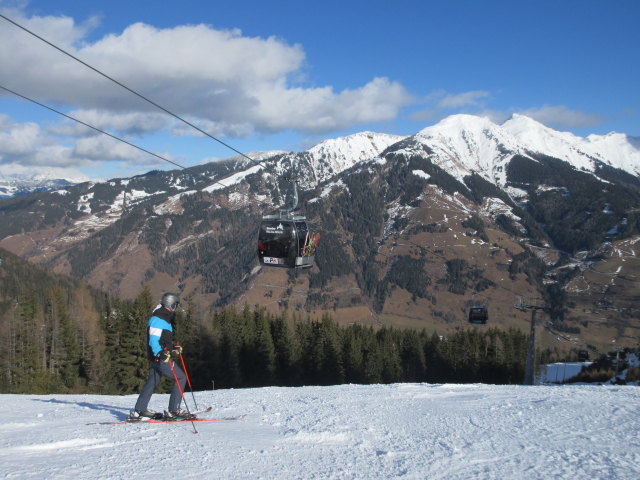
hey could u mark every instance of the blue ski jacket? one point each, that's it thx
(159, 332)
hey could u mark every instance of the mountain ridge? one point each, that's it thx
(413, 229)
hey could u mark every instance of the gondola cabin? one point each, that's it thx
(285, 241)
(478, 314)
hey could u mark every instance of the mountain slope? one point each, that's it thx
(414, 230)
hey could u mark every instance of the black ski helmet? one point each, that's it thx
(170, 300)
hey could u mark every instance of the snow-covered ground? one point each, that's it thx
(408, 431)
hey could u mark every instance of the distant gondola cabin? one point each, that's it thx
(583, 355)
(478, 314)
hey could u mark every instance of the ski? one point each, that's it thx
(208, 409)
(182, 420)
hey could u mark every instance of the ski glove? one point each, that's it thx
(177, 349)
(163, 356)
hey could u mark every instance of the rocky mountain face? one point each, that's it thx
(414, 230)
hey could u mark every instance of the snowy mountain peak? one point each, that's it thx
(528, 130)
(465, 144)
(354, 148)
(614, 149)
(333, 156)
(458, 122)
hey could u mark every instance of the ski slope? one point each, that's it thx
(399, 431)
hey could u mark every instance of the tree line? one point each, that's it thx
(254, 348)
(57, 336)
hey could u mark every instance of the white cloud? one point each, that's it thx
(28, 145)
(15, 169)
(134, 123)
(238, 84)
(17, 139)
(103, 148)
(463, 99)
(440, 104)
(323, 110)
(560, 116)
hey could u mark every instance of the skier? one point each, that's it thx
(159, 348)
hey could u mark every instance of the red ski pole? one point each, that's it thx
(184, 368)
(175, 376)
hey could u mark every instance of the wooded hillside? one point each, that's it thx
(58, 335)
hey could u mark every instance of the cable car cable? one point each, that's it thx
(157, 106)
(115, 137)
(304, 259)
(130, 90)
(90, 126)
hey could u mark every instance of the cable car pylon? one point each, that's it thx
(534, 305)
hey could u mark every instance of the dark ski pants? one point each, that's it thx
(156, 371)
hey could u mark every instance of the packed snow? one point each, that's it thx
(408, 431)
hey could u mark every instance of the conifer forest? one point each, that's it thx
(58, 335)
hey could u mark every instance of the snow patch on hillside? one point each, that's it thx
(233, 179)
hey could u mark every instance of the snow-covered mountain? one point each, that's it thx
(340, 154)
(332, 157)
(466, 144)
(469, 189)
(23, 184)
(614, 149)
(460, 144)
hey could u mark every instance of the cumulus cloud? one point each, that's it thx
(218, 76)
(323, 110)
(17, 139)
(134, 123)
(28, 146)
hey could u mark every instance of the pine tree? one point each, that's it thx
(389, 348)
(287, 353)
(412, 357)
(228, 372)
(132, 348)
(353, 353)
(264, 353)
(68, 355)
(331, 368)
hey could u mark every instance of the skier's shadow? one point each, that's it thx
(120, 413)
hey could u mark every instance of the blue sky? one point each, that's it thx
(288, 74)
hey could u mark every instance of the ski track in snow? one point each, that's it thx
(407, 431)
